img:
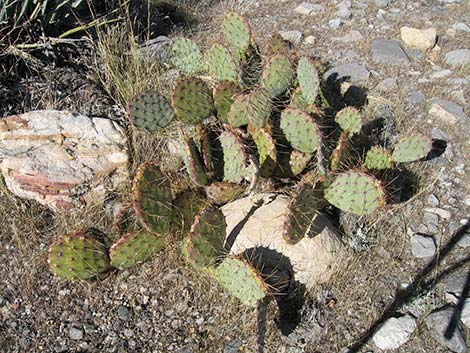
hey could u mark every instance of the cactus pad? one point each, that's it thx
(350, 119)
(223, 98)
(152, 199)
(150, 111)
(339, 153)
(206, 238)
(237, 34)
(223, 192)
(241, 280)
(301, 210)
(378, 158)
(78, 256)
(275, 45)
(309, 81)
(298, 161)
(412, 148)
(253, 107)
(235, 160)
(191, 100)
(185, 55)
(266, 151)
(194, 163)
(298, 101)
(355, 192)
(278, 75)
(135, 247)
(300, 130)
(222, 64)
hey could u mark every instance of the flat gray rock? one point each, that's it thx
(415, 98)
(394, 332)
(388, 84)
(389, 51)
(458, 57)
(437, 323)
(447, 111)
(422, 246)
(352, 72)
(454, 288)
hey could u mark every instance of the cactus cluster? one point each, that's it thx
(143, 229)
(243, 114)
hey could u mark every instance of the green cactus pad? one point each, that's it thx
(412, 148)
(224, 93)
(355, 192)
(206, 238)
(266, 151)
(237, 34)
(194, 163)
(241, 280)
(298, 161)
(235, 160)
(253, 107)
(302, 208)
(185, 55)
(135, 247)
(300, 130)
(278, 75)
(275, 45)
(298, 101)
(150, 111)
(222, 64)
(339, 153)
(191, 100)
(78, 256)
(222, 192)
(350, 119)
(378, 158)
(237, 116)
(309, 81)
(152, 199)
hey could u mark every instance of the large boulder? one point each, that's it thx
(314, 259)
(60, 159)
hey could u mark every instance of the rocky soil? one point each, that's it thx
(408, 63)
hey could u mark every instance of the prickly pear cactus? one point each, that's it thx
(412, 148)
(241, 280)
(135, 247)
(224, 93)
(237, 35)
(253, 107)
(278, 75)
(185, 55)
(298, 161)
(349, 119)
(309, 80)
(275, 45)
(339, 153)
(302, 208)
(355, 192)
(301, 131)
(152, 199)
(266, 147)
(78, 256)
(191, 100)
(378, 158)
(235, 160)
(222, 65)
(150, 111)
(194, 163)
(206, 238)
